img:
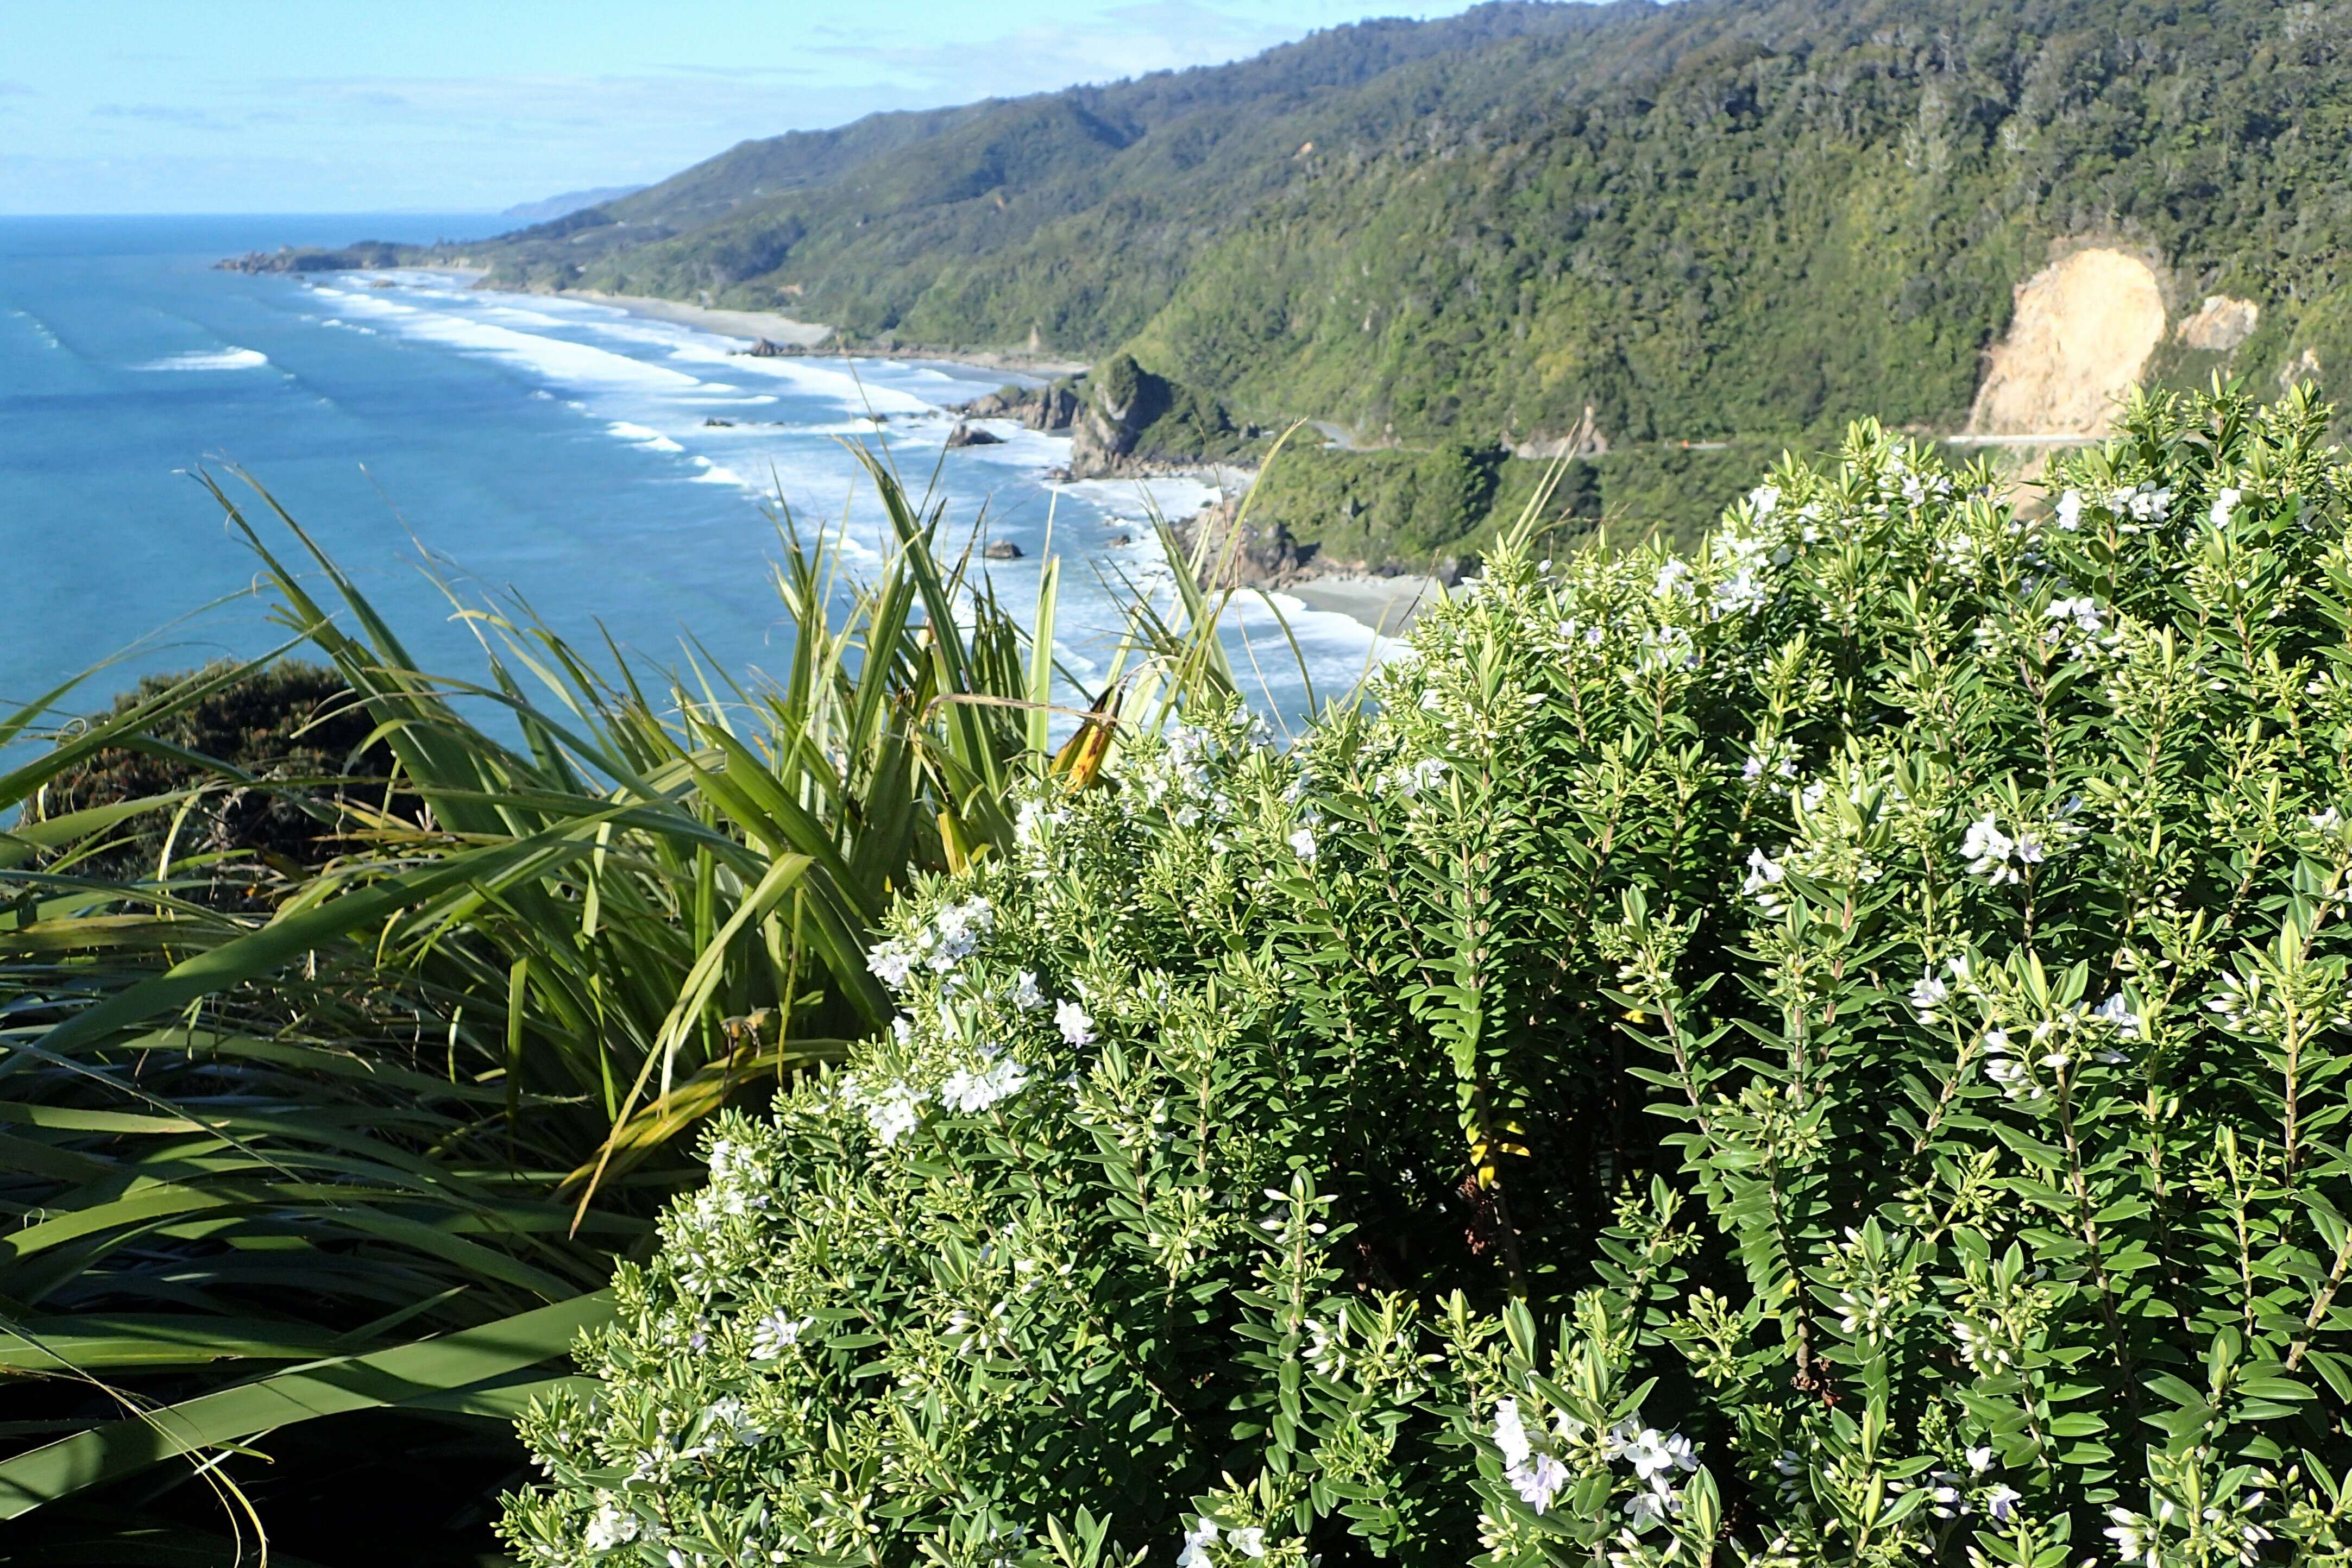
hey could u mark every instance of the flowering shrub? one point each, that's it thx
(1834, 1050)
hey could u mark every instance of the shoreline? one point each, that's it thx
(1386, 606)
(1389, 605)
(804, 339)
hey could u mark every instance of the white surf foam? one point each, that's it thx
(642, 436)
(1134, 500)
(229, 359)
(556, 359)
(48, 339)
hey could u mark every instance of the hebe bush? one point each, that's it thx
(1830, 1051)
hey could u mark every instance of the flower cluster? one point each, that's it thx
(952, 934)
(1959, 883)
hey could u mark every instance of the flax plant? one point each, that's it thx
(368, 1138)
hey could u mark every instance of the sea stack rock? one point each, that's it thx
(968, 435)
(765, 348)
(1002, 550)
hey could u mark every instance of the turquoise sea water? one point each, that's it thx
(552, 448)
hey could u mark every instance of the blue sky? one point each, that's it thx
(228, 106)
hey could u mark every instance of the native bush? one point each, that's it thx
(1828, 1049)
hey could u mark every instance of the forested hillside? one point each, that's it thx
(1722, 217)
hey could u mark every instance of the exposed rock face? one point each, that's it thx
(1583, 440)
(2083, 330)
(2220, 324)
(1266, 556)
(1054, 408)
(766, 349)
(1051, 409)
(971, 436)
(2303, 368)
(1098, 439)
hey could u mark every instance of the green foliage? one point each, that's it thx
(1829, 1049)
(353, 1155)
(1713, 219)
(294, 731)
(1161, 420)
(1410, 507)
(1383, 505)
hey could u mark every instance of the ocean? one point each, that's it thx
(511, 445)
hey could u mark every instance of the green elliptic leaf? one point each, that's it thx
(468, 1372)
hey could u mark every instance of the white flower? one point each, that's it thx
(1764, 497)
(2070, 510)
(2002, 1503)
(1422, 774)
(1928, 995)
(1674, 578)
(1994, 855)
(2225, 501)
(1739, 592)
(1538, 1481)
(1653, 1455)
(1250, 1543)
(1303, 843)
(775, 1332)
(2148, 502)
(2083, 611)
(1197, 1542)
(892, 1111)
(1076, 1026)
(2326, 822)
(892, 962)
(2118, 1011)
(1510, 1434)
(728, 1414)
(1986, 844)
(969, 1092)
(1981, 1460)
(955, 932)
(611, 1527)
(1764, 875)
(1025, 994)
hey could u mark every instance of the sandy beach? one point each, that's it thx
(745, 324)
(1386, 604)
(753, 325)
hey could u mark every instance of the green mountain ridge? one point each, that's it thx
(1544, 224)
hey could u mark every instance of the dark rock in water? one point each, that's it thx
(1002, 550)
(765, 348)
(1056, 475)
(1117, 539)
(1052, 409)
(715, 423)
(1001, 404)
(968, 435)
